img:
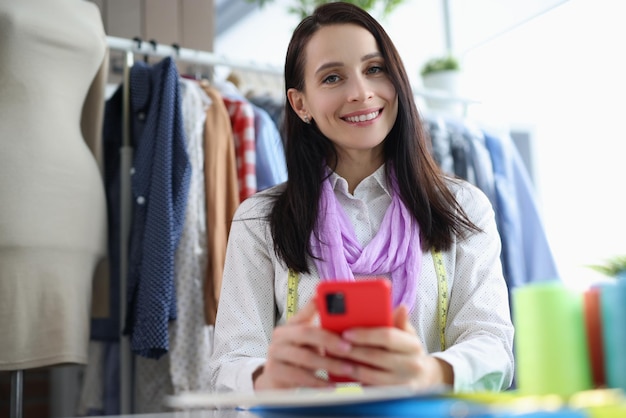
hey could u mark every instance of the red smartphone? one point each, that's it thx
(350, 304)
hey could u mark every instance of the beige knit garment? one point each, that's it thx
(53, 57)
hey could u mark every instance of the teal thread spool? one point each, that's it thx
(613, 306)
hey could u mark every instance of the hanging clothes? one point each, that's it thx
(100, 388)
(526, 251)
(191, 339)
(271, 164)
(192, 166)
(274, 107)
(108, 328)
(160, 185)
(222, 194)
(160, 181)
(491, 162)
(477, 158)
(241, 115)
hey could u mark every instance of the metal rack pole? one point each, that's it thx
(17, 385)
(188, 55)
(126, 160)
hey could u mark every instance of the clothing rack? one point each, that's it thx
(193, 56)
(132, 47)
(136, 46)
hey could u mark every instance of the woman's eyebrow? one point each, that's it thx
(339, 63)
(328, 65)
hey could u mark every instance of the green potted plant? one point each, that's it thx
(441, 78)
(440, 64)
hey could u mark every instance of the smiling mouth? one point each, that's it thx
(363, 118)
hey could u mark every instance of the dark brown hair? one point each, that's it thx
(421, 183)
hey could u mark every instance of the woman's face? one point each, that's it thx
(347, 90)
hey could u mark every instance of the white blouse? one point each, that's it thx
(253, 300)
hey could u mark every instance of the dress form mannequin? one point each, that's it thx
(53, 208)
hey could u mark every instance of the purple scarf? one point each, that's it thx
(395, 249)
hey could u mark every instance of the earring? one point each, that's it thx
(306, 119)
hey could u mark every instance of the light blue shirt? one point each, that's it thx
(271, 166)
(526, 253)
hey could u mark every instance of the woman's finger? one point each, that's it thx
(305, 314)
(280, 375)
(391, 339)
(310, 336)
(401, 319)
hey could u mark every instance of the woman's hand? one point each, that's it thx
(394, 356)
(298, 350)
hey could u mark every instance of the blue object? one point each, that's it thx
(613, 310)
(160, 185)
(423, 408)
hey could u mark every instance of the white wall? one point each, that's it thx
(562, 74)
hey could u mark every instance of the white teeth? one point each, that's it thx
(363, 118)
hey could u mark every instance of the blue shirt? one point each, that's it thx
(526, 253)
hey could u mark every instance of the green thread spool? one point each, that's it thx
(550, 340)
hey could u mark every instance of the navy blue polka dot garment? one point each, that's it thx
(160, 185)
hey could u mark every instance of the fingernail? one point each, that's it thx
(345, 346)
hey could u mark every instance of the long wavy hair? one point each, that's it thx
(422, 185)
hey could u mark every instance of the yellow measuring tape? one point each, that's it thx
(442, 297)
(292, 293)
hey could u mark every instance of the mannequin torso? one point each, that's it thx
(53, 216)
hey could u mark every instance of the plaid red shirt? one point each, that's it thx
(242, 119)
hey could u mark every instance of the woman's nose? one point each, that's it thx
(359, 89)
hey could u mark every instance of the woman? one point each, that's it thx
(361, 181)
